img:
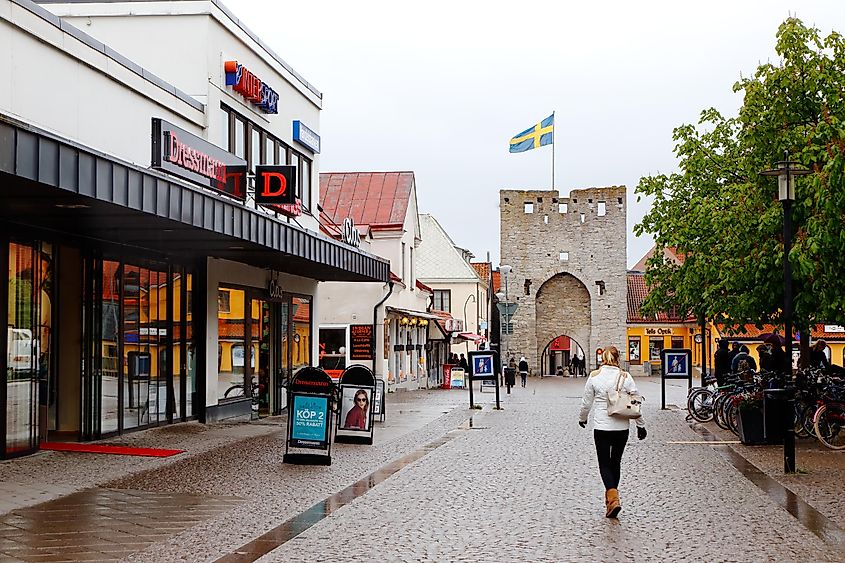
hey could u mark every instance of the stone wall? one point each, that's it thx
(565, 235)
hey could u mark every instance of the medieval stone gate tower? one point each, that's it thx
(568, 259)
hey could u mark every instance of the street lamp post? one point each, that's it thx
(466, 324)
(786, 171)
(505, 270)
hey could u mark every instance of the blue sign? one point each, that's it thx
(306, 137)
(482, 366)
(309, 421)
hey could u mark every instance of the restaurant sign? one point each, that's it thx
(192, 158)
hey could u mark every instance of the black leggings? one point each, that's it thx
(609, 446)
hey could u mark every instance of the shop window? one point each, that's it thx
(677, 342)
(333, 350)
(655, 347)
(634, 350)
(443, 300)
(231, 342)
(301, 328)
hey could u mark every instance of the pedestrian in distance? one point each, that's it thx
(464, 364)
(722, 362)
(523, 370)
(743, 361)
(610, 432)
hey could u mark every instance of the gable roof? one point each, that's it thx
(437, 256)
(637, 292)
(669, 253)
(377, 199)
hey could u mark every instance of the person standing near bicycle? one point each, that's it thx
(610, 432)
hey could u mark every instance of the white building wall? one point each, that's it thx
(56, 82)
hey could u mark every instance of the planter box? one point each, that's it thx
(750, 426)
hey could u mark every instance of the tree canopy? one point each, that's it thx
(724, 219)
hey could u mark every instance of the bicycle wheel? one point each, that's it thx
(234, 391)
(801, 408)
(808, 418)
(731, 412)
(700, 405)
(830, 426)
(718, 411)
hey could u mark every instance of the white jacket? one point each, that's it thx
(595, 393)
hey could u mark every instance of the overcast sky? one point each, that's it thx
(439, 88)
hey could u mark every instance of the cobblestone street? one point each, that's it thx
(440, 483)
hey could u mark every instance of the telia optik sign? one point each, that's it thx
(251, 87)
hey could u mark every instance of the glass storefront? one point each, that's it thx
(28, 394)
(138, 359)
(249, 364)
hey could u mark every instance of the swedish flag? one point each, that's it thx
(533, 137)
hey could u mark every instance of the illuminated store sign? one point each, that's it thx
(251, 87)
(183, 154)
(275, 184)
(306, 137)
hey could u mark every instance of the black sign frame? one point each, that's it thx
(484, 364)
(310, 383)
(197, 160)
(680, 368)
(359, 350)
(356, 377)
(284, 174)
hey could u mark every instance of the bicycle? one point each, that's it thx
(238, 390)
(829, 419)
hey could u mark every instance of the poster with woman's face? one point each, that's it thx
(355, 408)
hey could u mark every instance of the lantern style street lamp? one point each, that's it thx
(786, 171)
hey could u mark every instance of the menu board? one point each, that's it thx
(361, 342)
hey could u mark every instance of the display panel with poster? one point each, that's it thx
(355, 408)
(634, 350)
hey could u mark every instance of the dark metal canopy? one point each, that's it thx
(53, 184)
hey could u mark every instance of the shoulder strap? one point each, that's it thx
(620, 379)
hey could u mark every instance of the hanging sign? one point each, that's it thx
(275, 184)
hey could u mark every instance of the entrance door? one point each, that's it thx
(137, 367)
(28, 346)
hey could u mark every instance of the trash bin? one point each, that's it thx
(776, 414)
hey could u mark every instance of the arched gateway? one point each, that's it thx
(568, 268)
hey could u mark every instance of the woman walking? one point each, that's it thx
(611, 432)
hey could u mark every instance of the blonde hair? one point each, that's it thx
(610, 356)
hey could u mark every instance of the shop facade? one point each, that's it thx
(144, 284)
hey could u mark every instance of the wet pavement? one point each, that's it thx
(520, 483)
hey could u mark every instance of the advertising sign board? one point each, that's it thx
(675, 363)
(361, 342)
(310, 426)
(310, 417)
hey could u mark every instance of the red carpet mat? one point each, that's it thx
(105, 449)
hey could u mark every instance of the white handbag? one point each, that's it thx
(621, 403)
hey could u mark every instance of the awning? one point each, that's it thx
(471, 337)
(410, 313)
(50, 183)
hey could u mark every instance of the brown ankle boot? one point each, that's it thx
(611, 498)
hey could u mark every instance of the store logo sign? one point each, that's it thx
(349, 234)
(275, 184)
(306, 137)
(251, 87)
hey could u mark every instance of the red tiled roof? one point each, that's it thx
(369, 198)
(497, 281)
(483, 270)
(637, 292)
(394, 277)
(422, 286)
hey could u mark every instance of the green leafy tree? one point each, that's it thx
(724, 219)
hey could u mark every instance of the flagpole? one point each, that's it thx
(553, 151)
